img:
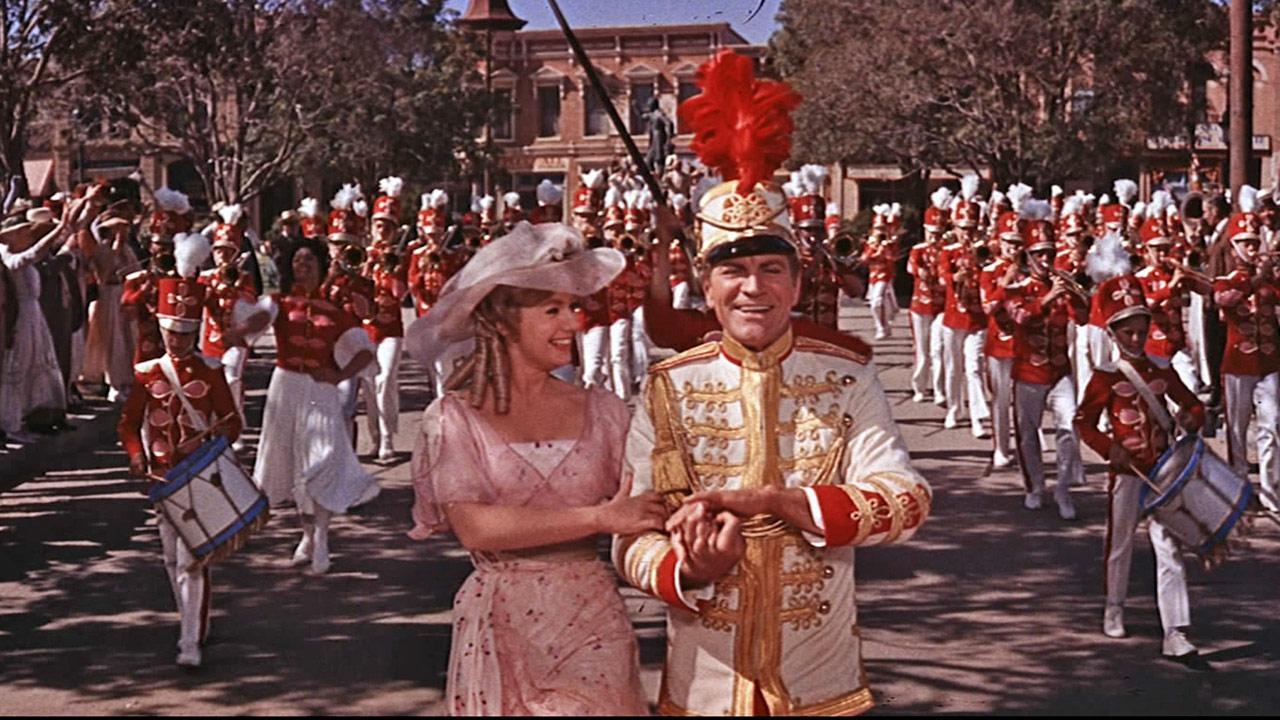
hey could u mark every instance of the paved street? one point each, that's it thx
(991, 608)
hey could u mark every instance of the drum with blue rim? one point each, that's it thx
(1200, 498)
(210, 500)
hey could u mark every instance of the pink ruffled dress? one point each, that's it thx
(540, 631)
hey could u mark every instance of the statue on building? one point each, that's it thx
(661, 130)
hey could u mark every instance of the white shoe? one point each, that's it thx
(239, 446)
(1066, 509)
(189, 657)
(980, 431)
(952, 420)
(918, 397)
(1033, 500)
(302, 553)
(1113, 621)
(1000, 461)
(940, 399)
(1176, 644)
(880, 335)
(319, 556)
(386, 453)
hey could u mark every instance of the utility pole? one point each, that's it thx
(1240, 134)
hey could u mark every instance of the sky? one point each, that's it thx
(587, 13)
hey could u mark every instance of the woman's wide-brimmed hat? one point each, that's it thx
(548, 256)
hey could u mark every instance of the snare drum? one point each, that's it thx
(1200, 499)
(211, 502)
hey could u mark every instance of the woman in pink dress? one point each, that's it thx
(526, 470)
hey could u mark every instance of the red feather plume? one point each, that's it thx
(742, 126)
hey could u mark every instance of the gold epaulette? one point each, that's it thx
(862, 356)
(700, 352)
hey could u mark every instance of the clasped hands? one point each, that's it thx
(706, 531)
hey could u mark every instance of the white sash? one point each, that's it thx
(171, 374)
(1158, 409)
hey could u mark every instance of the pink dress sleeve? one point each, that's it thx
(448, 467)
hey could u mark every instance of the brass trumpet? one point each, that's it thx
(843, 248)
(1070, 283)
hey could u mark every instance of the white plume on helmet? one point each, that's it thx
(969, 186)
(439, 199)
(549, 193)
(190, 250)
(941, 198)
(1248, 198)
(1017, 194)
(231, 214)
(1034, 209)
(309, 207)
(1055, 191)
(511, 199)
(345, 197)
(813, 178)
(171, 200)
(1126, 190)
(1138, 211)
(391, 186)
(679, 201)
(1073, 204)
(594, 179)
(1107, 259)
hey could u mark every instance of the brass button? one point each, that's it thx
(828, 571)
(848, 380)
(824, 607)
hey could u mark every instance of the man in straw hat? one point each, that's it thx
(180, 400)
(775, 451)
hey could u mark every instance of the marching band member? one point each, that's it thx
(1167, 287)
(1136, 441)
(138, 297)
(512, 212)
(179, 400)
(682, 297)
(963, 321)
(307, 455)
(928, 299)
(550, 203)
(637, 225)
(1247, 298)
(823, 276)
(623, 292)
(1000, 347)
(596, 312)
(880, 255)
(1041, 306)
(344, 286)
(526, 471)
(386, 328)
(736, 436)
(1073, 247)
(225, 285)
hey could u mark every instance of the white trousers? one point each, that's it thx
(1245, 396)
(1196, 348)
(190, 587)
(926, 340)
(620, 357)
(1001, 373)
(1030, 400)
(595, 359)
(639, 345)
(884, 307)
(1078, 342)
(1171, 574)
(382, 391)
(964, 354)
(233, 360)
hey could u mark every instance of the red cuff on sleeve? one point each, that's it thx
(837, 510)
(666, 585)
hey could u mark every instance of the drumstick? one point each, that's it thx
(1143, 476)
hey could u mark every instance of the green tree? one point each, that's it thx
(1035, 90)
(46, 45)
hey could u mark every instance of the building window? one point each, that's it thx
(504, 113)
(685, 90)
(1081, 102)
(596, 119)
(641, 95)
(548, 111)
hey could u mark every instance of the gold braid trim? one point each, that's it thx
(897, 513)
(671, 472)
(865, 514)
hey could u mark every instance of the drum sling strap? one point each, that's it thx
(171, 374)
(1158, 410)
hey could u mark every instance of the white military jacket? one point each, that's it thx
(802, 413)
